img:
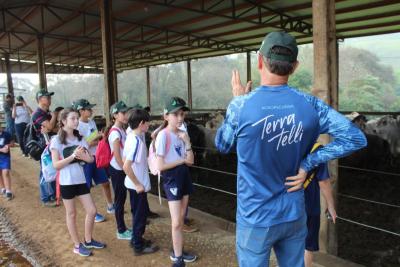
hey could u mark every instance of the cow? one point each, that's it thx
(387, 128)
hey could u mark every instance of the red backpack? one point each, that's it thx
(103, 152)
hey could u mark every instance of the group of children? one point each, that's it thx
(73, 152)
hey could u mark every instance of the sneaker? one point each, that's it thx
(94, 244)
(147, 249)
(111, 210)
(187, 257)
(189, 229)
(49, 204)
(152, 215)
(127, 235)
(190, 221)
(179, 262)
(99, 218)
(82, 251)
(146, 242)
(9, 195)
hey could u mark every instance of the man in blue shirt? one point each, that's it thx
(274, 128)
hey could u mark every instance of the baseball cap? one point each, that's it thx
(281, 39)
(120, 106)
(82, 104)
(43, 92)
(174, 104)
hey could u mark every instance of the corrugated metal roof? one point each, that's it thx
(160, 31)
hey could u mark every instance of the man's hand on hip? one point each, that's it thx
(296, 182)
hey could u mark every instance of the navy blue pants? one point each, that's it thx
(19, 129)
(139, 209)
(120, 191)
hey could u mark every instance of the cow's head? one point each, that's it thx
(388, 128)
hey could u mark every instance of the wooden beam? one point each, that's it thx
(40, 63)
(148, 87)
(7, 64)
(326, 88)
(107, 42)
(189, 81)
(248, 65)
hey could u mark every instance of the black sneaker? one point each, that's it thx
(146, 243)
(146, 250)
(187, 257)
(179, 262)
(9, 196)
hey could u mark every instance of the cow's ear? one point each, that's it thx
(398, 118)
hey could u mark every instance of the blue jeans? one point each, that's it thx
(20, 129)
(10, 126)
(253, 245)
(47, 190)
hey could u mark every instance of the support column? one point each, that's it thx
(248, 60)
(189, 80)
(107, 43)
(9, 77)
(148, 87)
(326, 88)
(40, 63)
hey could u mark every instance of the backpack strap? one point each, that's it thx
(168, 141)
(113, 129)
(311, 175)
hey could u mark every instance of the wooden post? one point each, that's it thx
(148, 87)
(189, 80)
(107, 43)
(41, 63)
(248, 68)
(326, 88)
(10, 86)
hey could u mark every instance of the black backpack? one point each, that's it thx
(34, 142)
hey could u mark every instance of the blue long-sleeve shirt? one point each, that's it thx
(274, 129)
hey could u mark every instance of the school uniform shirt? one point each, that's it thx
(88, 130)
(116, 134)
(5, 139)
(22, 115)
(177, 149)
(312, 192)
(274, 129)
(135, 150)
(72, 173)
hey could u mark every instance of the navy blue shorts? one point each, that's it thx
(98, 175)
(313, 223)
(177, 182)
(5, 162)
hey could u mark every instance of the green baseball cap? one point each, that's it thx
(282, 39)
(175, 104)
(82, 104)
(43, 92)
(20, 98)
(120, 106)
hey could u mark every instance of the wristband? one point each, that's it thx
(189, 149)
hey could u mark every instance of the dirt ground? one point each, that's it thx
(44, 231)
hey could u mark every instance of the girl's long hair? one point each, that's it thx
(62, 135)
(159, 129)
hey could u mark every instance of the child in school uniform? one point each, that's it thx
(137, 179)
(173, 164)
(88, 129)
(116, 139)
(317, 179)
(68, 152)
(5, 164)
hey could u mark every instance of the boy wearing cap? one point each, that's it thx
(280, 124)
(44, 122)
(88, 129)
(5, 164)
(116, 139)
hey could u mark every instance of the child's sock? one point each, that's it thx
(3, 190)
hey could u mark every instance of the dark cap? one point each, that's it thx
(82, 104)
(43, 92)
(120, 106)
(281, 39)
(20, 98)
(175, 104)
